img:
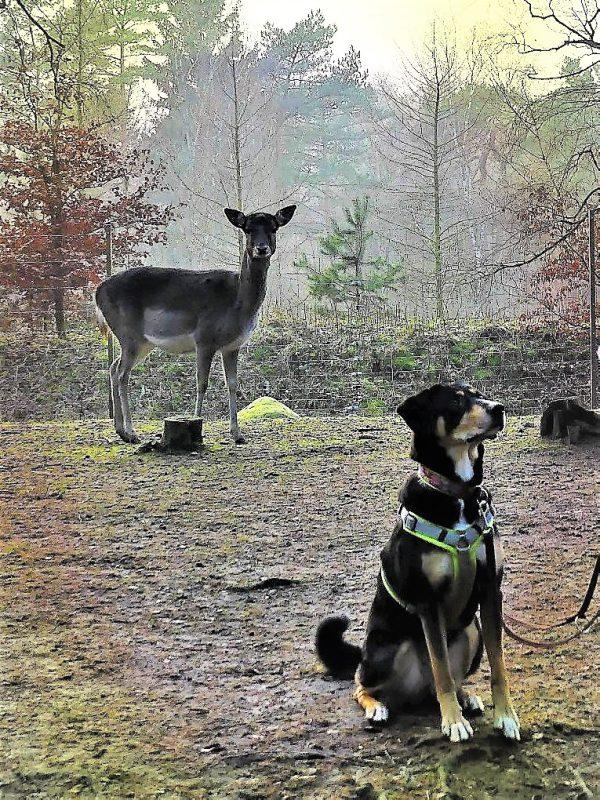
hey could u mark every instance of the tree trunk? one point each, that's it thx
(236, 151)
(79, 78)
(182, 433)
(58, 299)
(437, 243)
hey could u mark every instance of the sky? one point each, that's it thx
(384, 30)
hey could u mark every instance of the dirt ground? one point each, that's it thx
(138, 661)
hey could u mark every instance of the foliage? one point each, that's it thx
(59, 188)
(559, 283)
(350, 273)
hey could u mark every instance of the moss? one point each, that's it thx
(482, 373)
(266, 408)
(374, 408)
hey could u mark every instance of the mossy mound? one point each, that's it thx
(266, 408)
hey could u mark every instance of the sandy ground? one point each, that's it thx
(137, 661)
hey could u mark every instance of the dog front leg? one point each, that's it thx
(454, 725)
(375, 711)
(505, 717)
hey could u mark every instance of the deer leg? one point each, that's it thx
(454, 725)
(114, 393)
(203, 363)
(230, 368)
(129, 356)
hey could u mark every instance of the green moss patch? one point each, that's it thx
(266, 408)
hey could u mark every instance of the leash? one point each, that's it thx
(490, 557)
(579, 614)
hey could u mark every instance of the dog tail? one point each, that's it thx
(340, 657)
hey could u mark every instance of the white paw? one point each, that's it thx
(458, 731)
(508, 724)
(473, 704)
(378, 713)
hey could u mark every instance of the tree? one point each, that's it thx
(558, 282)
(254, 126)
(426, 129)
(59, 188)
(550, 171)
(573, 27)
(83, 70)
(351, 274)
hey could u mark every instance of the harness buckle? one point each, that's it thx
(462, 543)
(410, 522)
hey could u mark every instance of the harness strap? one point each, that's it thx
(452, 540)
(394, 595)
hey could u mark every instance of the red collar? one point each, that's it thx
(443, 484)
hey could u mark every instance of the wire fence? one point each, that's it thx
(359, 362)
(351, 359)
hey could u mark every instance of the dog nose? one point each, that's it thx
(262, 250)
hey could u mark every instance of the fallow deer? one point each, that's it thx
(183, 310)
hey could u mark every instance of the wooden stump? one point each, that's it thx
(569, 419)
(182, 433)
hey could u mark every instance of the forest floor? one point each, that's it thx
(138, 661)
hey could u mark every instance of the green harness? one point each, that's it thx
(459, 543)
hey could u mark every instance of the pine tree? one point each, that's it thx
(351, 274)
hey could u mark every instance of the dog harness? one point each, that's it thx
(457, 542)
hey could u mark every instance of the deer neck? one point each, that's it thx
(253, 283)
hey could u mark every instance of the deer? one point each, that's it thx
(186, 310)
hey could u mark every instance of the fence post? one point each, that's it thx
(110, 345)
(593, 336)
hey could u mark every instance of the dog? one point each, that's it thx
(423, 635)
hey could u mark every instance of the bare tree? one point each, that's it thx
(573, 25)
(425, 136)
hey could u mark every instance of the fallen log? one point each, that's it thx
(569, 419)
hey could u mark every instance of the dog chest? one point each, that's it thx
(457, 573)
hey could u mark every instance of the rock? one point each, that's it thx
(266, 408)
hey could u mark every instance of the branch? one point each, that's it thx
(49, 38)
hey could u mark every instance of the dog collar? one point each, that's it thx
(442, 484)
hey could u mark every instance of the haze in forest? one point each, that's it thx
(442, 155)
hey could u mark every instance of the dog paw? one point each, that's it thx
(239, 439)
(508, 724)
(378, 713)
(457, 730)
(472, 704)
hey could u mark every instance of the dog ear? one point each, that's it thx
(415, 411)
(235, 217)
(284, 215)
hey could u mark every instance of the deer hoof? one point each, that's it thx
(130, 438)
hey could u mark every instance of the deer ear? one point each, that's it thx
(235, 217)
(284, 215)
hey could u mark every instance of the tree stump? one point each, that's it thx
(182, 433)
(569, 419)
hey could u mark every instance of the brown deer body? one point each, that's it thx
(182, 311)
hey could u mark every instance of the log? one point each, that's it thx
(569, 419)
(182, 433)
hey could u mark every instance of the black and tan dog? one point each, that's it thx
(422, 632)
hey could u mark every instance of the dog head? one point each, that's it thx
(449, 422)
